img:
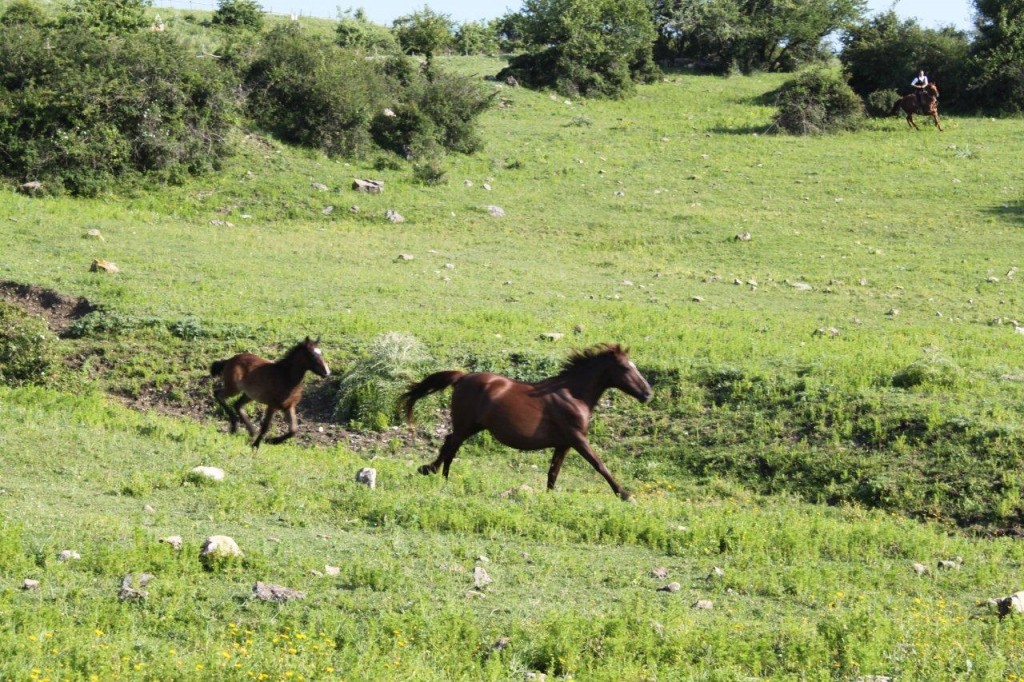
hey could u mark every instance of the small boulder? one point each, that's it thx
(328, 210)
(703, 604)
(353, 209)
(276, 593)
(496, 211)
(174, 541)
(207, 473)
(318, 186)
(368, 186)
(551, 336)
(522, 489)
(671, 587)
(68, 555)
(660, 572)
(332, 570)
(129, 593)
(394, 216)
(100, 265)
(367, 476)
(475, 594)
(502, 643)
(801, 286)
(480, 578)
(953, 564)
(1008, 605)
(94, 234)
(717, 573)
(29, 584)
(743, 237)
(148, 508)
(405, 257)
(920, 569)
(219, 547)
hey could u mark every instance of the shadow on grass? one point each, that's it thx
(1012, 211)
(771, 128)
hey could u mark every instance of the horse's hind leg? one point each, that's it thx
(218, 395)
(239, 404)
(910, 121)
(935, 117)
(293, 427)
(556, 466)
(264, 427)
(452, 442)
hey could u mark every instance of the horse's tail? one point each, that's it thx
(432, 384)
(217, 367)
(896, 107)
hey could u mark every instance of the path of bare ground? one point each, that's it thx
(316, 426)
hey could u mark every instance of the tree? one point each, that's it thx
(241, 14)
(883, 54)
(424, 32)
(23, 12)
(475, 38)
(586, 47)
(356, 31)
(998, 55)
(118, 17)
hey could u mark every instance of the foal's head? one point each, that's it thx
(309, 354)
(619, 371)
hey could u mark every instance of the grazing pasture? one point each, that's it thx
(836, 398)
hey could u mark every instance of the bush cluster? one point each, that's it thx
(818, 101)
(28, 353)
(368, 392)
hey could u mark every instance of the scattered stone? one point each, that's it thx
(467, 183)
(68, 555)
(367, 476)
(368, 186)
(671, 587)
(219, 547)
(449, 266)
(551, 336)
(353, 209)
(475, 594)
(496, 211)
(209, 473)
(743, 237)
(276, 593)
(148, 508)
(717, 573)
(389, 113)
(522, 489)
(394, 216)
(174, 541)
(31, 188)
(511, 82)
(1018, 330)
(704, 604)
(332, 570)
(1007, 605)
(29, 584)
(501, 644)
(893, 312)
(953, 564)
(536, 677)
(315, 573)
(405, 256)
(100, 265)
(94, 234)
(486, 186)
(697, 299)
(826, 331)
(992, 280)
(801, 286)
(873, 678)
(620, 193)
(480, 578)
(920, 569)
(660, 572)
(318, 186)
(328, 210)
(129, 593)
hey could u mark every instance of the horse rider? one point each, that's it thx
(920, 84)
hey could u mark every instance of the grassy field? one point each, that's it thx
(620, 218)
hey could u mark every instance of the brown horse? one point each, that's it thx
(929, 106)
(553, 413)
(278, 385)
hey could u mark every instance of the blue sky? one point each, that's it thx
(930, 13)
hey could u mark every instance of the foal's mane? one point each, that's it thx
(582, 359)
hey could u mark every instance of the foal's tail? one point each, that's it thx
(432, 384)
(217, 367)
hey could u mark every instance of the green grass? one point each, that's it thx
(780, 451)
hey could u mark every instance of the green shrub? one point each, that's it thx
(23, 12)
(932, 372)
(880, 102)
(356, 31)
(239, 14)
(28, 352)
(106, 17)
(818, 101)
(307, 91)
(105, 109)
(368, 392)
(424, 32)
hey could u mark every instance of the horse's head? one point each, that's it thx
(620, 372)
(933, 90)
(314, 357)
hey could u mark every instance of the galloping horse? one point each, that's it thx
(910, 106)
(552, 413)
(278, 385)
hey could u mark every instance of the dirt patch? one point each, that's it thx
(59, 311)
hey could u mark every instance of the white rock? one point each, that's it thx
(211, 473)
(480, 578)
(496, 211)
(174, 541)
(276, 593)
(68, 555)
(367, 476)
(332, 570)
(703, 604)
(30, 584)
(920, 569)
(394, 216)
(219, 547)
(94, 234)
(671, 587)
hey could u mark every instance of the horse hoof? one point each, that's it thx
(425, 470)
(628, 497)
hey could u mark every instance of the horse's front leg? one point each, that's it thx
(556, 465)
(582, 446)
(239, 404)
(218, 395)
(910, 122)
(293, 428)
(935, 117)
(264, 427)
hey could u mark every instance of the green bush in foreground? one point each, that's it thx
(818, 101)
(27, 349)
(105, 109)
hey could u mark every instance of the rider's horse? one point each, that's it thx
(927, 105)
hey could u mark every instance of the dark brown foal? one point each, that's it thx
(278, 385)
(553, 413)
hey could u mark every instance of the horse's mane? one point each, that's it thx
(581, 359)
